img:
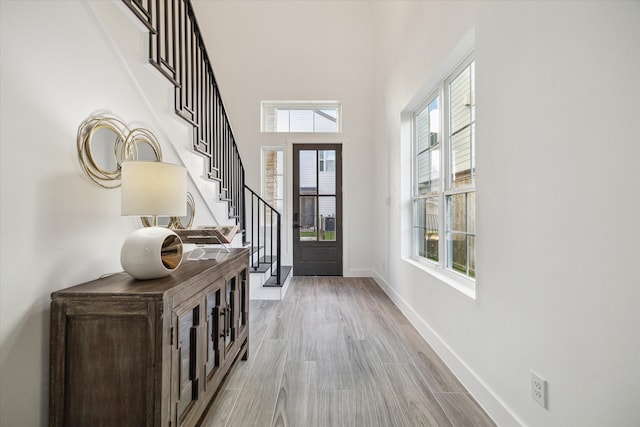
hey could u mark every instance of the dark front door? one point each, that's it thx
(317, 210)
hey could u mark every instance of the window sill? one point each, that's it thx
(467, 287)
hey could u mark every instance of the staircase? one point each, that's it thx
(177, 51)
(264, 229)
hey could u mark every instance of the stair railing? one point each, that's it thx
(265, 232)
(177, 50)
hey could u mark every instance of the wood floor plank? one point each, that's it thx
(303, 339)
(352, 315)
(222, 408)
(297, 400)
(282, 321)
(333, 359)
(388, 346)
(433, 369)
(337, 352)
(363, 320)
(337, 408)
(262, 312)
(379, 404)
(238, 377)
(421, 405)
(384, 306)
(463, 410)
(304, 288)
(257, 400)
(327, 300)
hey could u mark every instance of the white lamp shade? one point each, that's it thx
(153, 188)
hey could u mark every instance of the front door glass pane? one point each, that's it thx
(308, 172)
(327, 171)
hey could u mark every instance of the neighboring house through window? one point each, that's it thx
(444, 174)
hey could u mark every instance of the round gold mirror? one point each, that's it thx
(104, 143)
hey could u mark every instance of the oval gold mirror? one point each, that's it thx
(100, 144)
(105, 142)
(175, 222)
(185, 222)
(142, 145)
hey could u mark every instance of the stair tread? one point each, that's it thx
(260, 268)
(268, 259)
(284, 273)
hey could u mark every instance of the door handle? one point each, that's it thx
(296, 217)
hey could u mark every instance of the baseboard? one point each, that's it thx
(480, 391)
(359, 272)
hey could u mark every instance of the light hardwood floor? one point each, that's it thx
(337, 352)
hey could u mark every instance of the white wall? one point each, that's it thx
(557, 101)
(558, 202)
(58, 228)
(283, 50)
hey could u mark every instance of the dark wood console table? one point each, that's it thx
(148, 353)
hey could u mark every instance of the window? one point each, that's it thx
(273, 177)
(305, 116)
(444, 174)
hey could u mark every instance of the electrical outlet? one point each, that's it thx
(539, 389)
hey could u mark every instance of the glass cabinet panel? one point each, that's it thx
(213, 308)
(244, 300)
(230, 329)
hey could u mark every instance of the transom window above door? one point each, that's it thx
(301, 116)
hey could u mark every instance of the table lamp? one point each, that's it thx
(152, 189)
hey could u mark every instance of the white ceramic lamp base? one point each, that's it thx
(151, 252)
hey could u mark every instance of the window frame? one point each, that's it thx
(441, 267)
(270, 106)
(263, 176)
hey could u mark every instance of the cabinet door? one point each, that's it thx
(185, 349)
(103, 361)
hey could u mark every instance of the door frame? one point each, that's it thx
(324, 143)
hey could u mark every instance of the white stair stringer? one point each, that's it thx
(258, 291)
(175, 135)
(258, 279)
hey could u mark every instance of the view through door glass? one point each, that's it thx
(317, 210)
